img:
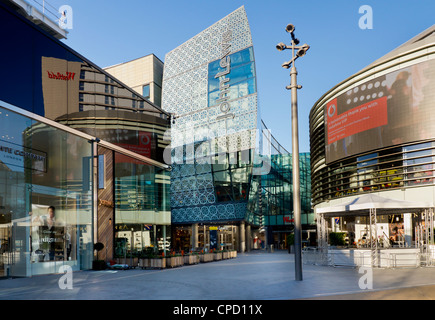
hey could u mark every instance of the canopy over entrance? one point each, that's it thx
(374, 233)
(361, 206)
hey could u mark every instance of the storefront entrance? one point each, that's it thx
(208, 237)
(378, 227)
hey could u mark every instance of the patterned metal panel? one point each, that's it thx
(186, 94)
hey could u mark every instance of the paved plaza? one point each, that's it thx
(251, 276)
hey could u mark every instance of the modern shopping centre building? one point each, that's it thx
(226, 183)
(81, 155)
(86, 153)
(373, 153)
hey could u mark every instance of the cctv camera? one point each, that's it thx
(281, 46)
(290, 28)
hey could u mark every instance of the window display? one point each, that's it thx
(46, 199)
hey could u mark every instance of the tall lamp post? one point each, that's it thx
(297, 51)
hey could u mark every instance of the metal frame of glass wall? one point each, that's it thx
(276, 195)
(48, 200)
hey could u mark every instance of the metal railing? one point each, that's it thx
(356, 258)
(47, 9)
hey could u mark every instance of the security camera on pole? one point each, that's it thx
(297, 52)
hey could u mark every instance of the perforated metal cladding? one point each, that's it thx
(185, 94)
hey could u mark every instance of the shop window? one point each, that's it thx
(48, 189)
(141, 198)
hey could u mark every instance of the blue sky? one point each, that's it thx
(109, 32)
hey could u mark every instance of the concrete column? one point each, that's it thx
(248, 238)
(194, 237)
(242, 237)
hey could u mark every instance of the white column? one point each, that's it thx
(194, 237)
(242, 244)
(407, 225)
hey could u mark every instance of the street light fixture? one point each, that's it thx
(297, 52)
(281, 46)
(303, 51)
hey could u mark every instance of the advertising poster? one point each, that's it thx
(385, 111)
(213, 237)
(60, 86)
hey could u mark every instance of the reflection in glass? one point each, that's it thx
(142, 212)
(45, 197)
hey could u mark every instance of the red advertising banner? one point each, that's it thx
(367, 116)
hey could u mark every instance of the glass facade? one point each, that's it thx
(271, 194)
(242, 81)
(389, 169)
(63, 86)
(45, 197)
(228, 171)
(142, 212)
(60, 81)
(278, 187)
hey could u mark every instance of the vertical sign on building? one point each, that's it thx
(101, 172)
(224, 87)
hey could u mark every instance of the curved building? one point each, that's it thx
(374, 133)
